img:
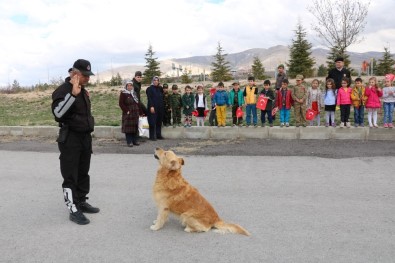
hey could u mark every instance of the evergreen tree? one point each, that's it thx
(116, 80)
(152, 66)
(385, 64)
(221, 69)
(300, 61)
(185, 79)
(334, 53)
(322, 71)
(258, 71)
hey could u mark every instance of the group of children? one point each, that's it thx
(304, 100)
(188, 102)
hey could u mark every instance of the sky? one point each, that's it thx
(41, 39)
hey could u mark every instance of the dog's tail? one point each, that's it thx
(223, 228)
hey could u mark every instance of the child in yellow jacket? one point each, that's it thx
(358, 99)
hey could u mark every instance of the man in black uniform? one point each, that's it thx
(71, 107)
(339, 72)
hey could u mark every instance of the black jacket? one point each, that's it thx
(337, 76)
(74, 111)
(137, 89)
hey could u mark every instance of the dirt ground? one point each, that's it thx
(243, 147)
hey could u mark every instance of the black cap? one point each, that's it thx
(138, 74)
(339, 59)
(220, 84)
(84, 66)
(165, 85)
(251, 78)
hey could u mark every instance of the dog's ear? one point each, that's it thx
(181, 161)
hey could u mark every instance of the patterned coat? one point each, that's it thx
(188, 102)
(175, 101)
(130, 104)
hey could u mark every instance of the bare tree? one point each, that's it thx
(339, 23)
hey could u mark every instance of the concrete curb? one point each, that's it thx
(287, 133)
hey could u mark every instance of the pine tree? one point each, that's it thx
(258, 71)
(152, 66)
(221, 68)
(300, 61)
(185, 79)
(385, 64)
(116, 80)
(322, 71)
(334, 53)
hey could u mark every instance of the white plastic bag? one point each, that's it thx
(143, 127)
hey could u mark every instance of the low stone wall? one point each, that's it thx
(288, 133)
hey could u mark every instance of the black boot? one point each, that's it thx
(87, 208)
(79, 218)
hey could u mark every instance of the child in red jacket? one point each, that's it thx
(284, 102)
(344, 101)
(373, 92)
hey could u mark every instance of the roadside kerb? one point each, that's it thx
(287, 133)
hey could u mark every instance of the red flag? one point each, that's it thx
(310, 114)
(262, 101)
(274, 111)
(212, 91)
(239, 112)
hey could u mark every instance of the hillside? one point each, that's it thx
(240, 61)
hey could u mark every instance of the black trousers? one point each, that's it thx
(212, 119)
(155, 124)
(344, 113)
(75, 159)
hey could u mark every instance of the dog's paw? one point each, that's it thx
(155, 227)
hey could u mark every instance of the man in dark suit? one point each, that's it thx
(339, 72)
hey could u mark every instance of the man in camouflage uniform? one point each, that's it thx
(175, 105)
(299, 96)
(166, 103)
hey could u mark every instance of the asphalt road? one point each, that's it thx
(242, 147)
(337, 207)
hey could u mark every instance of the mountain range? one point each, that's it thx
(239, 62)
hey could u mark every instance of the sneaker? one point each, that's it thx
(247, 125)
(255, 125)
(390, 125)
(327, 124)
(375, 125)
(385, 125)
(333, 124)
(341, 124)
(79, 218)
(286, 124)
(282, 124)
(262, 125)
(271, 124)
(361, 125)
(356, 125)
(87, 208)
(348, 124)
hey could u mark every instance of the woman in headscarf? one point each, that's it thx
(155, 108)
(130, 105)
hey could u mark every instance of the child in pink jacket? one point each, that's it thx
(344, 101)
(373, 92)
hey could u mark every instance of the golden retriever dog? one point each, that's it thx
(173, 194)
